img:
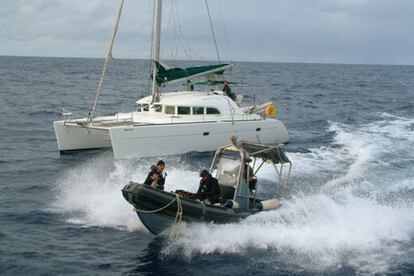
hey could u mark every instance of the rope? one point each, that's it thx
(178, 215)
(108, 58)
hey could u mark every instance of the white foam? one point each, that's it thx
(336, 215)
(89, 194)
(343, 220)
(315, 227)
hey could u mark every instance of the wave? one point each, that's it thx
(43, 112)
(350, 202)
(340, 210)
(308, 231)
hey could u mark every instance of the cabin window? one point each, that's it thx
(183, 110)
(212, 110)
(198, 110)
(145, 107)
(157, 107)
(169, 109)
(139, 107)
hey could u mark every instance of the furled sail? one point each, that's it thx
(172, 75)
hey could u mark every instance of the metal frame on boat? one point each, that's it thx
(234, 165)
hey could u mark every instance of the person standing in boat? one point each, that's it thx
(251, 180)
(227, 90)
(155, 177)
(209, 188)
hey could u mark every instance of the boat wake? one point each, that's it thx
(350, 203)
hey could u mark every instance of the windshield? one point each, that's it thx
(227, 171)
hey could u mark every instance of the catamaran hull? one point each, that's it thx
(135, 141)
(180, 138)
(78, 137)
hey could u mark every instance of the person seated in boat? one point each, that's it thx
(209, 188)
(190, 86)
(227, 90)
(155, 177)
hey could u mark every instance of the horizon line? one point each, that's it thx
(200, 60)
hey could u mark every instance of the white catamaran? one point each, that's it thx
(167, 123)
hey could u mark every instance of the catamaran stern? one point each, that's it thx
(72, 136)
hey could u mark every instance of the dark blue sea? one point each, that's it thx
(349, 208)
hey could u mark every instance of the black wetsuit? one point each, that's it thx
(160, 182)
(209, 189)
(227, 90)
(252, 184)
(253, 181)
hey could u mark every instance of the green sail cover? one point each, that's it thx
(216, 82)
(166, 76)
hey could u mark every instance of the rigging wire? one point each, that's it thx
(226, 36)
(212, 31)
(107, 60)
(170, 24)
(176, 23)
(181, 37)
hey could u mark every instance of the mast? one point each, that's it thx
(157, 39)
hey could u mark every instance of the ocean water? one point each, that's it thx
(349, 209)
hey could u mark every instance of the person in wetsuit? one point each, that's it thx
(251, 180)
(209, 188)
(155, 177)
(227, 90)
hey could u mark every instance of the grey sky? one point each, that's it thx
(339, 31)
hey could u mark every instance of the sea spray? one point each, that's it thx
(348, 204)
(89, 193)
(350, 217)
(316, 228)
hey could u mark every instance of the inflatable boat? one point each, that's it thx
(235, 167)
